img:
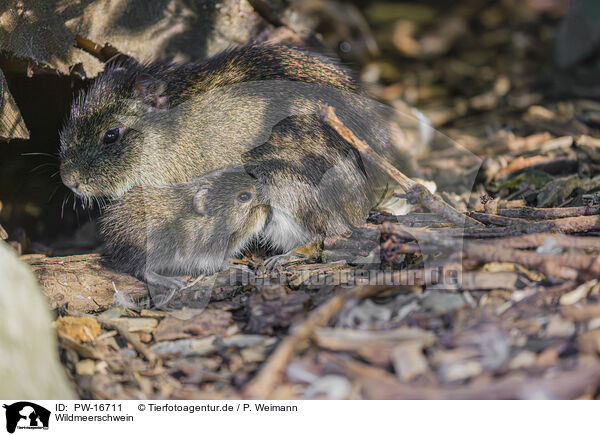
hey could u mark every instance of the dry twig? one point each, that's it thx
(102, 53)
(558, 240)
(123, 329)
(580, 224)
(542, 213)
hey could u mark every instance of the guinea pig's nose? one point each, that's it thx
(74, 186)
(70, 181)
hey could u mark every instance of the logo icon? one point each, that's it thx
(26, 415)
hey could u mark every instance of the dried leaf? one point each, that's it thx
(82, 329)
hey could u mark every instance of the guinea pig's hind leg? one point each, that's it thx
(163, 288)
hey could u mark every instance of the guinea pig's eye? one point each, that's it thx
(244, 197)
(112, 135)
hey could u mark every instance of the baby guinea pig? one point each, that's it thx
(159, 232)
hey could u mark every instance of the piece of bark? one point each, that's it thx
(83, 282)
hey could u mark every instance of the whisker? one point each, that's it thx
(53, 192)
(47, 164)
(54, 156)
(62, 209)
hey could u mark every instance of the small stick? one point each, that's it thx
(122, 328)
(415, 192)
(271, 373)
(524, 241)
(549, 212)
(580, 224)
(412, 220)
(577, 224)
(103, 54)
(536, 239)
(496, 220)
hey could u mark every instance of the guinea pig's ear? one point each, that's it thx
(199, 200)
(150, 92)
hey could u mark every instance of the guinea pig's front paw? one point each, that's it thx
(309, 252)
(236, 266)
(279, 260)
